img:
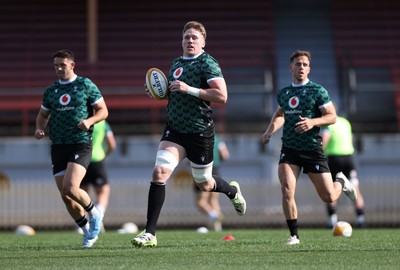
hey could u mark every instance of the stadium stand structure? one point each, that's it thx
(367, 42)
(135, 37)
(132, 37)
(31, 32)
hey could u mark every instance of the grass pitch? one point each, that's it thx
(184, 249)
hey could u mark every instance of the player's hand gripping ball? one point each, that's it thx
(156, 84)
(342, 228)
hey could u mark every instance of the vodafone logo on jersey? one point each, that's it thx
(294, 102)
(65, 99)
(178, 72)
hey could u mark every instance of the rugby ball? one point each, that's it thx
(202, 230)
(156, 83)
(25, 230)
(128, 227)
(342, 228)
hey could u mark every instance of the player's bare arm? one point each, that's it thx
(111, 143)
(276, 123)
(217, 92)
(41, 123)
(326, 136)
(100, 113)
(328, 117)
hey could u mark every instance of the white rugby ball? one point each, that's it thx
(128, 227)
(157, 83)
(342, 228)
(25, 230)
(202, 230)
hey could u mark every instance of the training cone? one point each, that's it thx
(228, 238)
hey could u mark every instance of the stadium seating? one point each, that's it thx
(31, 33)
(135, 36)
(132, 37)
(367, 41)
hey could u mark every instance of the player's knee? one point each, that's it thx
(166, 163)
(205, 186)
(287, 192)
(328, 198)
(161, 175)
(166, 159)
(69, 192)
(201, 176)
(200, 179)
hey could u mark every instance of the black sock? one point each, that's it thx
(89, 207)
(359, 211)
(331, 209)
(81, 222)
(292, 224)
(223, 187)
(155, 203)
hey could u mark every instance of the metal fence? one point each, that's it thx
(30, 195)
(36, 202)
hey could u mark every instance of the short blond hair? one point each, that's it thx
(298, 53)
(195, 25)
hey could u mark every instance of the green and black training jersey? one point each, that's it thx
(306, 101)
(186, 113)
(68, 104)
